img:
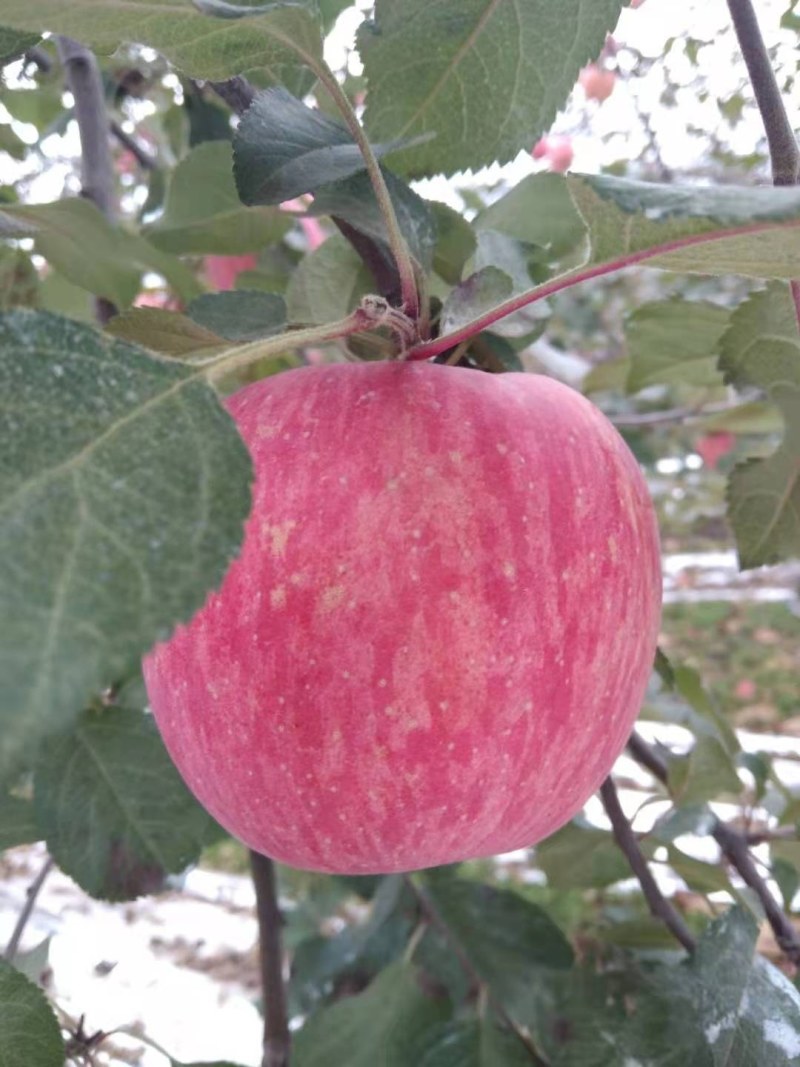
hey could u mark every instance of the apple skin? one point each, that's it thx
(597, 82)
(437, 635)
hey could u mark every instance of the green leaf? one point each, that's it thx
(65, 229)
(357, 950)
(164, 331)
(455, 242)
(13, 45)
(283, 149)
(673, 342)
(239, 315)
(627, 217)
(388, 1020)
(29, 1031)
(579, 856)
(699, 876)
(272, 43)
(203, 212)
(507, 939)
(328, 284)
(480, 292)
(354, 201)
(761, 350)
(18, 824)
(123, 493)
(538, 210)
(704, 774)
(19, 282)
(726, 1007)
(477, 1043)
(505, 69)
(115, 813)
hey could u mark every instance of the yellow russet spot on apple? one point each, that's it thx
(509, 570)
(331, 598)
(277, 596)
(276, 536)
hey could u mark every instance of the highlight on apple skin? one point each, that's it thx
(437, 635)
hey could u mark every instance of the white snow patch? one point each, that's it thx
(785, 1037)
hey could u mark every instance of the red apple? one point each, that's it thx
(556, 150)
(597, 82)
(222, 271)
(711, 447)
(437, 635)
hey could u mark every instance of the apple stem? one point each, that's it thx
(372, 313)
(659, 906)
(397, 243)
(270, 921)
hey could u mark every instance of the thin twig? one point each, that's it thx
(237, 93)
(431, 912)
(270, 920)
(683, 414)
(783, 150)
(659, 906)
(97, 171)
(141, 155)
(32, 893)
(735, 847)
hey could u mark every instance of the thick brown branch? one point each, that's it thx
(270, 921)
(659, 906)
(97, 172)
(783, 149)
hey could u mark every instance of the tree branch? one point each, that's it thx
(735, 848)
(32, 893)
(270, 920)
(783, 150)
(97, 172)
(659, 906)
(142, 156)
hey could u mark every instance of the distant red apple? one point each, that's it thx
(439, 630)
(636, 3)
(222, 271)
(711, 447)
(557, 150)
(597, 82)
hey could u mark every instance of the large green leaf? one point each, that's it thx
(626, 218)
(283, 149)
(538, 210)
(65, 229)
(240, 314)
(762, 350)
(473, 1044)
(579, 856)
(203, 212)
(168, 332)
(272, 43)
(502, 67)
(382, 1025)
(480, 292)
(673, 342)
(123, 492)
(115, 813)
(328, 284)
(18, 824)
(353, 200)
(13, 44)
(507, 939)
(29, 1031)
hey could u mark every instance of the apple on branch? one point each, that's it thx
(438, 632)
